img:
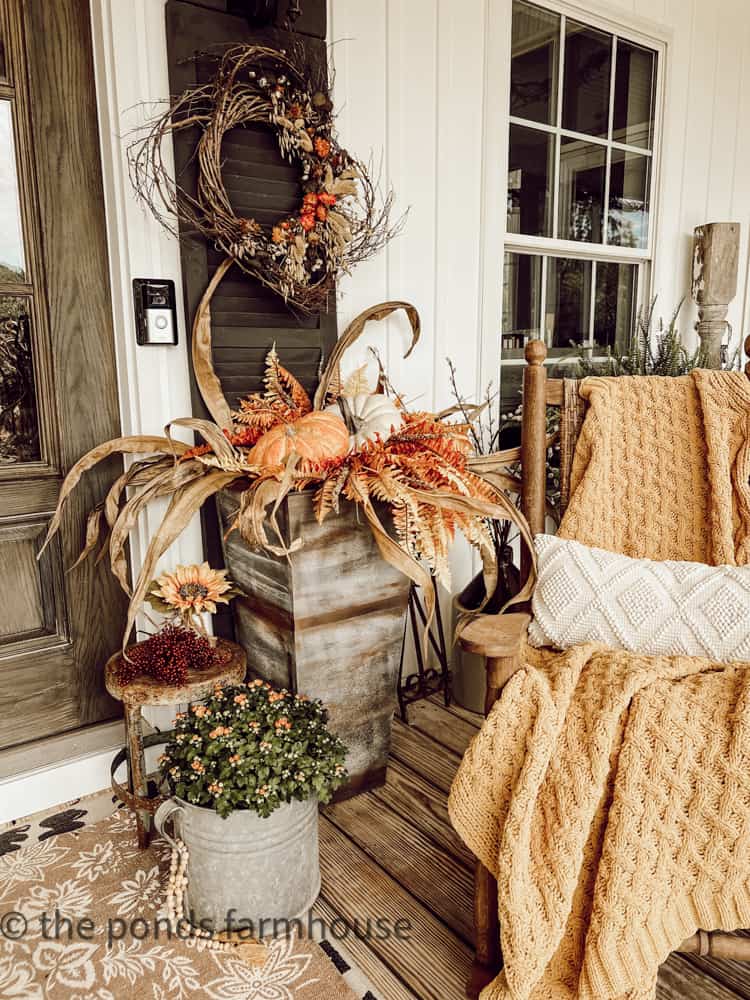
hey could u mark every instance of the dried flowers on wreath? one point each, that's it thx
(340, 220)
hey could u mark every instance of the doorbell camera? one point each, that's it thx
(155, 313)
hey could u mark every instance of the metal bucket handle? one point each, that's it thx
(163, 814)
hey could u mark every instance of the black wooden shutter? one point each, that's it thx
(247, 319)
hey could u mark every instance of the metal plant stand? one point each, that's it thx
(427, 680)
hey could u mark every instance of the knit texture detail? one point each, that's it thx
(609, 792)
(642, 482)
(585, 594)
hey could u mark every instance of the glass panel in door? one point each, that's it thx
(12, 259)
(19, 419)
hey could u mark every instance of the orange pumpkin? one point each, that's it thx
(314, 437)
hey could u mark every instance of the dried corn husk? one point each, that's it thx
(375, 313)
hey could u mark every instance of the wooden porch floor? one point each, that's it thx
(392, 853)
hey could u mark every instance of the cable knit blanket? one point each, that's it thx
(609, 793)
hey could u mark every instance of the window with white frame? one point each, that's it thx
(580, 186)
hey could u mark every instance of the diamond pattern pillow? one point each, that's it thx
(590, 595)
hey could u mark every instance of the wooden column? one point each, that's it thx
(534, 438)
(715, 266)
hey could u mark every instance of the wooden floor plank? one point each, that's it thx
(420, 867)
(385, 984)
(680, 980)
(392, 852)
(433, 720)
(421, 754)
(734, 975)
(424, 805)
(473, 718)
(435, 962)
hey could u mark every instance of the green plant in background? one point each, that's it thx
(253, 747)
(649, 351)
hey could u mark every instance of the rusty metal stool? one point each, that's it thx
(229, 669)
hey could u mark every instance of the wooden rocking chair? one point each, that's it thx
(498, 638)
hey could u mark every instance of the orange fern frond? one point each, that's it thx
(283, 388)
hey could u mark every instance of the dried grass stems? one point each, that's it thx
(423, 470)
(342, 219)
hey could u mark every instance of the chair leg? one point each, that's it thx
(487, 963)
(137, 760)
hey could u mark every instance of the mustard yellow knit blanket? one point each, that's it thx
(609, 793)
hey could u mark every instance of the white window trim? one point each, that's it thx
(497, 120)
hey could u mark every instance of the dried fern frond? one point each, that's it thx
(357, 383)
(283, 388)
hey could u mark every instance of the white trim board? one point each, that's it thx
(45, 786)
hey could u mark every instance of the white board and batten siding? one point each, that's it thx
(423, 86)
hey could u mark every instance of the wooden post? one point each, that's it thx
(715, 265)
(487, 927)
(499, 638)
(134, 737)
(534, 440)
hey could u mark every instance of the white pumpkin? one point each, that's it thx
(367, 415)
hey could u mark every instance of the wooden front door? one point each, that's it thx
(58, 393)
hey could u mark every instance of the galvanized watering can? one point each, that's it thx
(245, 868)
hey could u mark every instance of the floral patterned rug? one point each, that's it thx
(78, 921)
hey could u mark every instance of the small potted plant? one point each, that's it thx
(247, 769)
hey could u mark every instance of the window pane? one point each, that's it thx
(19, 425)
(628, 199)
(568, 303)
(614, 305)
(588, 58)
(522, 296)
(529, 181)
(12, 264)
(582, 173)
(533, 68)
(635, 75)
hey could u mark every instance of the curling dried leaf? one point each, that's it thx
(93, 531)
(203, 366)
(139, 474)
(375, 313)
(137, 444)
(211, 434)
(182, 507)
(167, 483)
(252, 517)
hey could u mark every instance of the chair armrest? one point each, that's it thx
(495, 635)
(500, 639)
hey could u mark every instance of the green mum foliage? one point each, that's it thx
(253, 747)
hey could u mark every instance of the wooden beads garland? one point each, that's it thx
(176, 887)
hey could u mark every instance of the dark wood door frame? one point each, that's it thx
(56, 685)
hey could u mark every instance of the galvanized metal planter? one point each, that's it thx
(328, 622)
(245, 868)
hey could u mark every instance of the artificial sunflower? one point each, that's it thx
(189, 590)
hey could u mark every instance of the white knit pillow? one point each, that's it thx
(590, 595)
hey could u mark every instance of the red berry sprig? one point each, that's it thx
(167, 656)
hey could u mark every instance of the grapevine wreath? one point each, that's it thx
(340, 220)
